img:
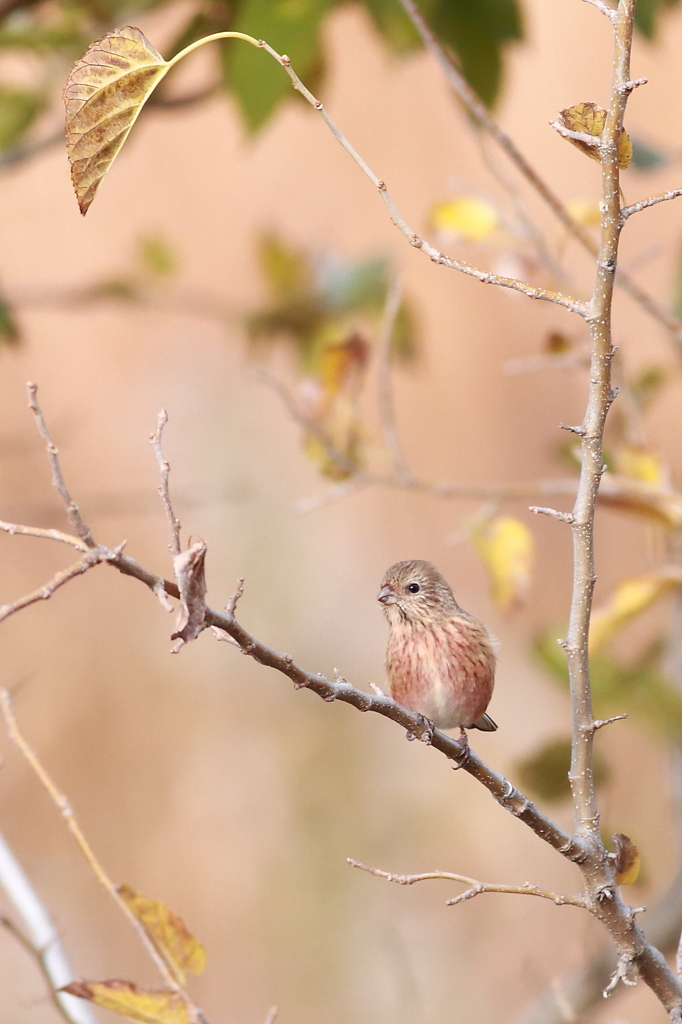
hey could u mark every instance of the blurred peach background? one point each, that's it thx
(203, 779)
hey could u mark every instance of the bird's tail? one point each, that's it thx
(485, 724)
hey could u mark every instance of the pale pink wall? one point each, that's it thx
(202, 779)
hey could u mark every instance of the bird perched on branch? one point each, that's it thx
(440, 660)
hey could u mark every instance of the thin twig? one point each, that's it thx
(563, 517)
(340, 459)
(40, 939)
(164, 494)
(644, 204)
(57, 479)
(475, 887)
(384, 381)
(36, 531)
(604, 8)
(485, 277)
(62, 805)
(92, 557)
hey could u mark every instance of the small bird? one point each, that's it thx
(440, 660)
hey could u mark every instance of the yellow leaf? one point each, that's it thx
(466, 216)
(627, 862)
(653, 503)
(629, 599)
(151, 1006)
(639, 464)
(590, 119)
(343, 430)
(167, 931)
(104, 95)
(341, 364)
(584, 212)
(505, 546)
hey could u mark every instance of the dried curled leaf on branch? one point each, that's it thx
(590, 119)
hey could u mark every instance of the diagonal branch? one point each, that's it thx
(482, 116)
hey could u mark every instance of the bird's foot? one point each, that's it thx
(461, 761)
(426, 731)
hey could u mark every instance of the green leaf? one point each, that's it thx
(647, 158)
(393, 24)
(9, 332)
(647, 12)
(639, 689)
(157, 256)
(292, 28)
(544, 773)
(476, 30)
(18, 110)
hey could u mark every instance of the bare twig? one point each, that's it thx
(563, 517)
(62, 805)
(40, 939)
(70, 505)
(164, 494)
(475, 887)
(334, 454)
(485, 277)
(604, 8)
(36, 531)
(92, 557)
(385, 391)
(644, 204)
(568, 133)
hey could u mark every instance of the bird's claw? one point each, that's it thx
(426, 731)
(461, 761)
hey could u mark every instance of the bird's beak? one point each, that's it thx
(386, 596)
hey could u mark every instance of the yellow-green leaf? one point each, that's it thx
(639, 464)
(505, 546)
(151, 1006)
(167, 931)
(627, 862)
(104, 95)
(628, 600)
(467, 217)
(584, 212)
(590, 119)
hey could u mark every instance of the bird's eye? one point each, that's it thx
(414, 588)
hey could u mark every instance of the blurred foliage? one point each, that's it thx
(544, 773)
(325, 309)
(646, 157)
(314, 302)
(640, 688)
(647, 15)
(505, 546)
(57, 32)
(9, 331)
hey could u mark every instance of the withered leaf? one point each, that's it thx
(169, 933)
(590, 119)
(151, 1006)
(188, 567)
(104, 95)
(627, 861)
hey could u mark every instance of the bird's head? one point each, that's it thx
(415, 591)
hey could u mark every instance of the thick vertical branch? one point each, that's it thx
(600, 398)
